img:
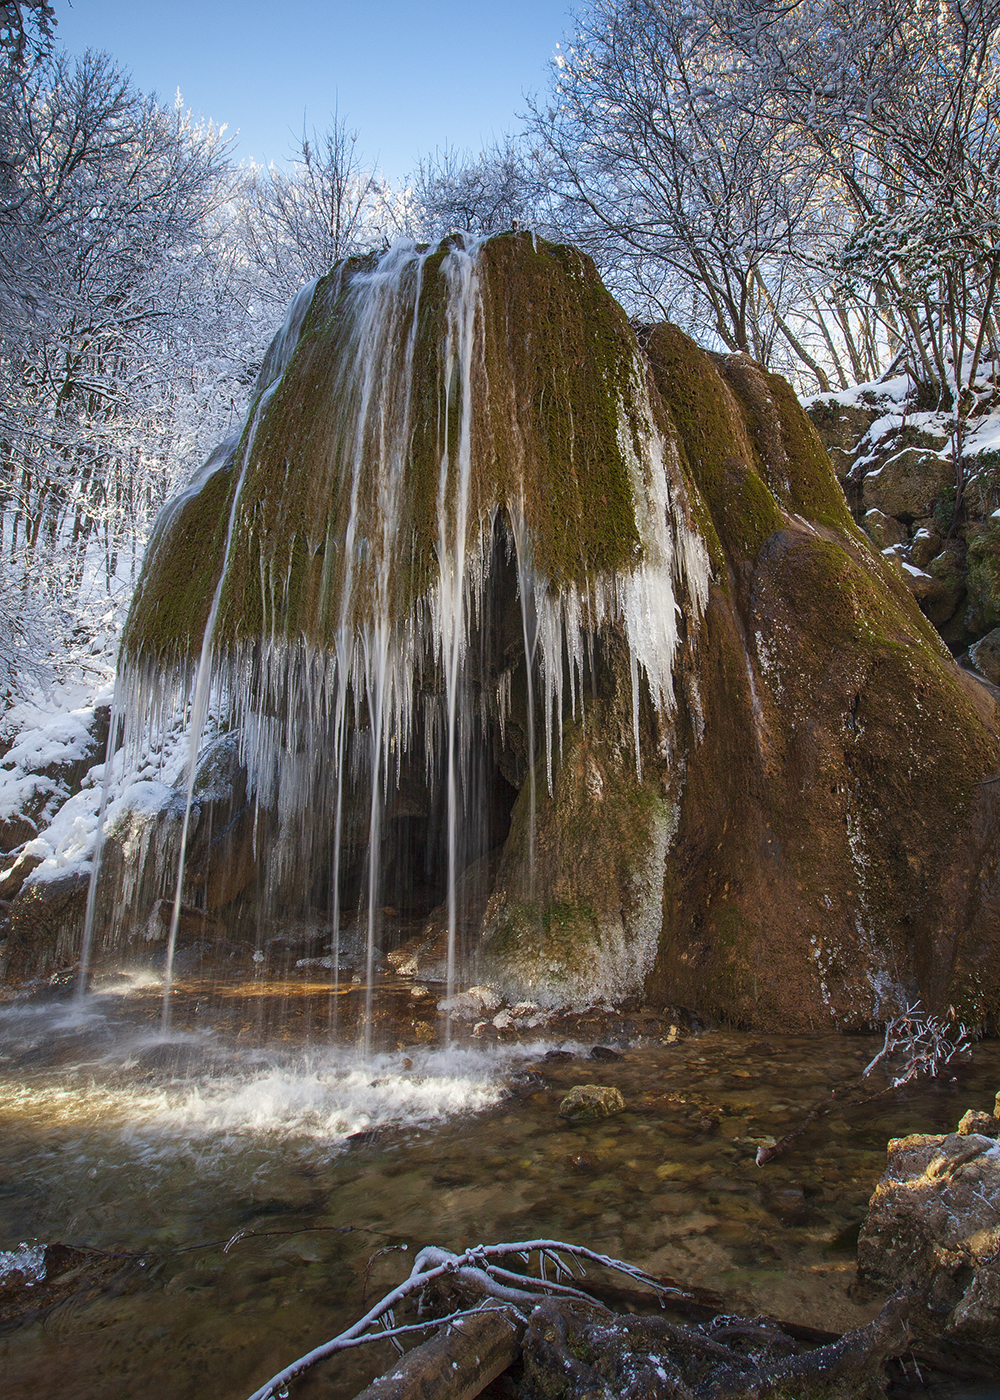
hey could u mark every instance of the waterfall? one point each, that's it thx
(327, 591)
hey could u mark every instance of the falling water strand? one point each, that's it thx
(529, 631)
(376, 711)
(460, 269)
(199, 714)
(89, 918)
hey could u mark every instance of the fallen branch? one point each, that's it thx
(929, 1046)
(475, 1269)
(467, 1353)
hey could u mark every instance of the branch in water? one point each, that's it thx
(929, 1046)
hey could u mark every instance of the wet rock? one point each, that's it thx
(986, 656)
(588, 1103)
(46, 920)
(976, 1122)
(193, 923)
(15, 874)
(472, 1004)
(932, 1226)
(604, 1052)
(15, 830)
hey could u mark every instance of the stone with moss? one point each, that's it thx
(589, 1103)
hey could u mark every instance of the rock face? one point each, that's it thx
(493, 588)
(933, 1227)
(813, 851)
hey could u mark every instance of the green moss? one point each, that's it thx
(560, 364)
(720, 457)
(172, 600)
(983, 579)
(582, 919)
(554, 378)
(815, 491)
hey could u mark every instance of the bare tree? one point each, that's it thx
(296, 224)
(691, 197)
(501, 188)
(107, 267)
(899, 103)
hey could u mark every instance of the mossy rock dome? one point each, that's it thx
(486, 577)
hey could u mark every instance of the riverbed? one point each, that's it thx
(267, 1179)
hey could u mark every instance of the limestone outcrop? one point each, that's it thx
(933, 1228)
(490, 586)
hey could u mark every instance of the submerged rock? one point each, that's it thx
(588, 1103)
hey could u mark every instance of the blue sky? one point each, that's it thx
(408, 77)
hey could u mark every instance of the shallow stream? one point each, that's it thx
(336, 1170)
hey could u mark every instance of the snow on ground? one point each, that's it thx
(889, 398)
(54, 731)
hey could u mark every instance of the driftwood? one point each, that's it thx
(459, 1362)
(476, 1271)
(573, 1347)
(736, 1359)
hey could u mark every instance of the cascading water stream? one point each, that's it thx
(90, 914)
(200, 702)
(462, 308)
(382, 478)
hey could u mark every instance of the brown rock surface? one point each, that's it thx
(839, 753)
(907, 484)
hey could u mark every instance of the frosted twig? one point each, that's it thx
(474, 1266)
(928, 1044)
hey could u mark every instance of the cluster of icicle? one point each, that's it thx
(291, 700)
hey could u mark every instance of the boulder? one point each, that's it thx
(974, 1121)
(908, 484)
(883, 530)
(13, 876)
(840, 428)
(949, 574)
(735, 768)
(46, 920)
(15, 830)
(925, 546)
(933, 1227)
(589, 1103)
(985, 656)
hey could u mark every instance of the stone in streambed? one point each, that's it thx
(932, 1228)
(976, 1122)
(588, 1103)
